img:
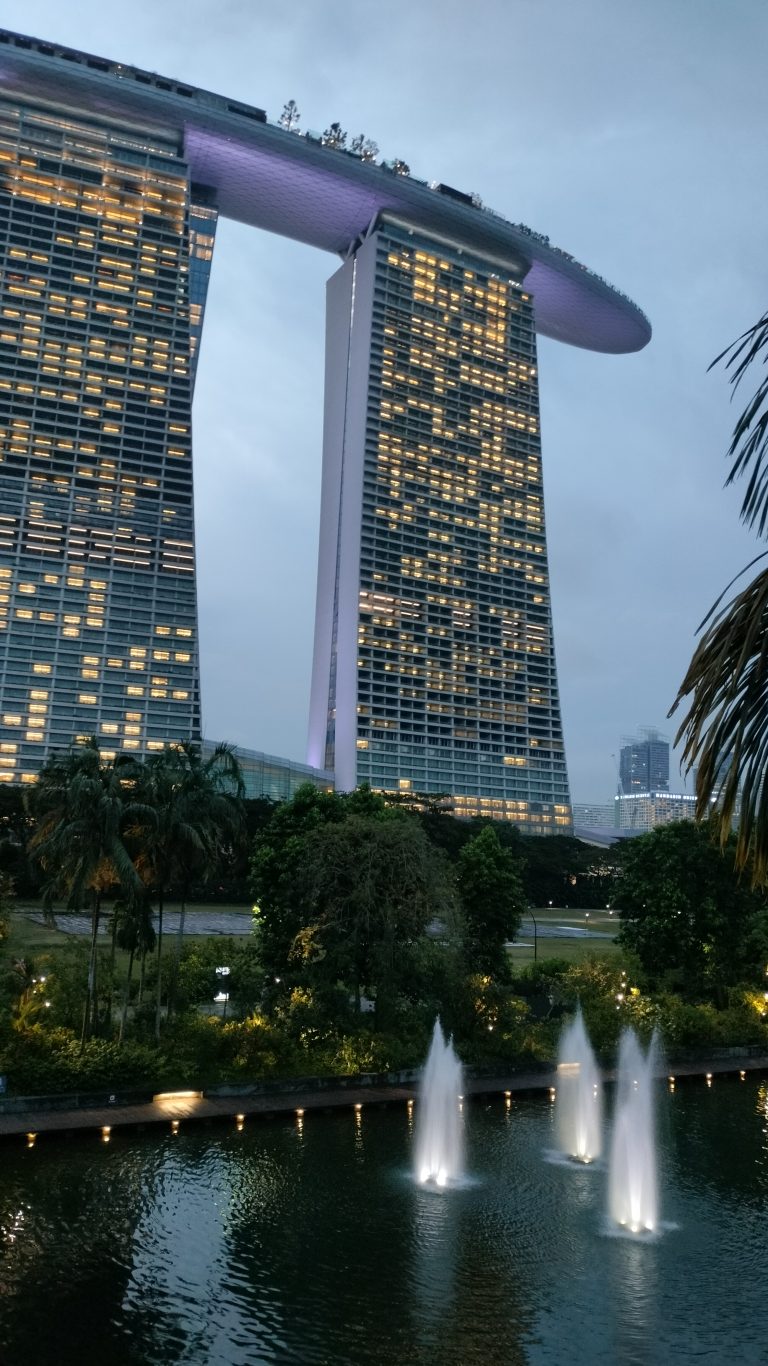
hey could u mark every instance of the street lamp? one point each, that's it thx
(535, 934)
(222, 997)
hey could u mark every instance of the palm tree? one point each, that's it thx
(190, 807)
(134, 932)
(81, 803)
(725, 728)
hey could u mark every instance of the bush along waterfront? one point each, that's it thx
(368, 921)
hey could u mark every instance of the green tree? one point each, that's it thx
(190, 809)
(725, 728)
(374, 884)
(492, 898)
(290, 117)
(685, 913)
(82, 804)
(279, 871)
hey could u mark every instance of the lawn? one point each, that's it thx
(574, 945)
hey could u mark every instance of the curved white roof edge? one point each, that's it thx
(291, 184)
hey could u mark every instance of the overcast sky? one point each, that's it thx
(633, 132)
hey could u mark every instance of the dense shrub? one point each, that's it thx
(42, 1061)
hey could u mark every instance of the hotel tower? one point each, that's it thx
(434, 665)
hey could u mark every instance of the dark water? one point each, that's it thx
(308, 1243)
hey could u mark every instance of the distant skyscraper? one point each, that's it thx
(644, 763)
(434, 657)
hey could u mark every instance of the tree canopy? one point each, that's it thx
(686, 914)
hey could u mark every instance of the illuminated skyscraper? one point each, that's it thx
(434, 658)
(434, 663)
(98, 629)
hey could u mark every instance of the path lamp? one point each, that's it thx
(222, 997)
(535, 934)
(586, 921)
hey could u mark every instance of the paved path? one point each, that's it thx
(195, 922)
(173, 1110)
(211, 922)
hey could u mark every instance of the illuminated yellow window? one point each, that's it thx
(109, 727)
(35, 735)
(88, 697)
(41, 668)
(135, 692)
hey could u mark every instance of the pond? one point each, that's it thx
(305, 1240)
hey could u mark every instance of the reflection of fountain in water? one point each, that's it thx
(579, 1101)
(439, 1142)
(633, 1188)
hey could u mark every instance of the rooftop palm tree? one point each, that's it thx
(81, 803)
(725, 729)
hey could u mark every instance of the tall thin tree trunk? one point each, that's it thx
(159, 962)
(112, 956)
(126, 1001)
(142, 972)
(178, 951)
(90, 1014)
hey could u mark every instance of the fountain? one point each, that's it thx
(632, 1189)
(439, 1139)
(579, 1100)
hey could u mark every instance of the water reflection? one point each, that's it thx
(310, 1244)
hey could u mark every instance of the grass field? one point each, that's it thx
(574, 945)
(28, 939)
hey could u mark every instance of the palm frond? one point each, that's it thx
(749, 443)
(725, 730)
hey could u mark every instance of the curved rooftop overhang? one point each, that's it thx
(289, 183)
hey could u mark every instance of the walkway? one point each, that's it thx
(208, 922)
(176, 1108)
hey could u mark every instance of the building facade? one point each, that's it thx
(595, 815)
(434, 664)
(98, 618)
(640, 811)
(644, 763)
(266, 775)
